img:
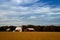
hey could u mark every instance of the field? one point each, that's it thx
(29, 35)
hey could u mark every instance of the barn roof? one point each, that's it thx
(17, 28)
(30, 28)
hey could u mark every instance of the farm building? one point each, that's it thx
(8, 29)
(29, 30)
(18, 29)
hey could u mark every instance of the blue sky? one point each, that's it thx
(24, 12)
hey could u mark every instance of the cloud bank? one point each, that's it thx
(21, 12)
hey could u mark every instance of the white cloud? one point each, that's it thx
(3, 18)
(32, 17)
(51, 13)
(11, 23)
(17, 1)
(42, 10)
(42, 15)
(23, 1)
(56, 9)
(9, 9)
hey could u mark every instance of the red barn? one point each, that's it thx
(30, 30)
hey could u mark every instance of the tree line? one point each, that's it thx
(38, 28)
(4, 28)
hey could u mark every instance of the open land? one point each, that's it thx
(29, 35)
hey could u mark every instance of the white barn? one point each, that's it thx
(18, 29)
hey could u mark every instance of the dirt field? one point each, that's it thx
(29, 35)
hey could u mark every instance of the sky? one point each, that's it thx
(24, 12)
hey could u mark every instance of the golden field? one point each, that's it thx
(29, 35)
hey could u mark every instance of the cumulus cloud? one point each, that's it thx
(32, 17)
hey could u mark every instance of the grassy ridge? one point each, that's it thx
(29, 35)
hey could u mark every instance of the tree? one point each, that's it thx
(12, 28)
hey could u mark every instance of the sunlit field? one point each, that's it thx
(29, 35)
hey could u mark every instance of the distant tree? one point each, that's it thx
(42, 28)
(30, 26)
(57, 29)
(52, 28)
(46, 28)
(23, 28)
(12, 28)
(2, 29)
(37, 28)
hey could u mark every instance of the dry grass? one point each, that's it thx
(29, 35)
